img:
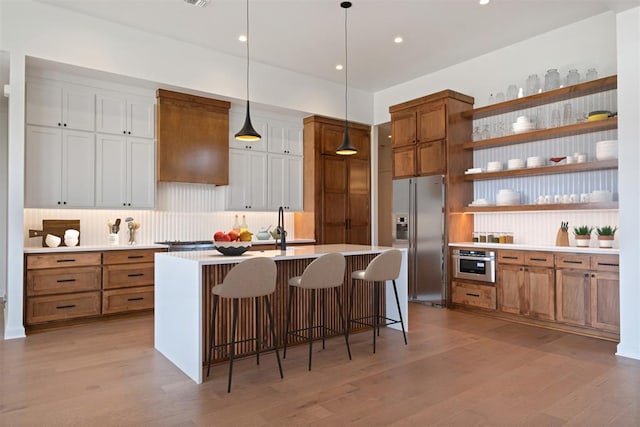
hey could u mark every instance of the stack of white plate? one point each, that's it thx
(601, 196)
(494, 166)
(535, 162)
(515, 164)
(507, 197)
(479, 202)
(606, 150)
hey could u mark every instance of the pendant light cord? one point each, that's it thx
(247, 52)
(346, 69)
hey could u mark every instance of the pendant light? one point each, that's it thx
(346, 148)
(247, 133)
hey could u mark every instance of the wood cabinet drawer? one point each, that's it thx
(511, 257)
(538, 259)
(129, 256)
(573, 261)
(129, 299)
(61, 307)
(605, 263)
(67, 259)
(127, 275)
(474, 295)
(62, 281)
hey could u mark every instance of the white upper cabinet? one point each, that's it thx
(285, 182)
(247, 189)
(285, 138)
(123, 114)
(236, 121)
(125, 172)
(63, 105)
(59, 168)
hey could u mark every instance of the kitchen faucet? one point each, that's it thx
(281, 231)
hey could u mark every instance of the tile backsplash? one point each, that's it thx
(183, 212)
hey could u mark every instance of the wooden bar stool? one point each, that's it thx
(252, 278)
(323, 273)
(383, 267)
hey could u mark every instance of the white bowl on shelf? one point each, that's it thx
(52, 240)
(535, 162)
(515, 164)
(494, 166)
(607, 150)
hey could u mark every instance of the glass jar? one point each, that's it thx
(486, 133)
(573, 77)
(509, 237)
(476, 237)
(592, 74)
(482, 237)
(475, 136)
(502, 238)
(533, 84)
(552, 79)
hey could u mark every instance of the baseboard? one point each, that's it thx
(631, 352)
(13, 333)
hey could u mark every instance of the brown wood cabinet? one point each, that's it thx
(588, 291)
(73, 286)
(193, 139)
(525, 284)
(473, 295)
(337, 189)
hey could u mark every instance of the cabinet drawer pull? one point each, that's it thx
(135, 256)
(65, 280)
(135, 274)
(538, 259)
(66, 260)
(609, 264)
(510, 257)
(65, 306)
(135, 299)
(472, 295)
(571, 262)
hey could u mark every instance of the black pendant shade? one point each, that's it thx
(346, 148)
(247, 133)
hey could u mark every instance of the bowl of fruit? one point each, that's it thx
(232, 243)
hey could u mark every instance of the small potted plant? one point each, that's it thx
(606, 235)
(582, 235)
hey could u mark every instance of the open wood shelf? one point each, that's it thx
(545, 207)
(556, 95)
(537, 135)
(545, 170)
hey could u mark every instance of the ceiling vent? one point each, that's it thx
(199, 3)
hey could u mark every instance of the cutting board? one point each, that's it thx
(57, 227)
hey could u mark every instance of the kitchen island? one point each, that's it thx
(183, 299)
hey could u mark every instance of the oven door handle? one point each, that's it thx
(486, 259)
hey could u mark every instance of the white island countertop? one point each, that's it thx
(179, 296)
(91, 248)
(549, 248)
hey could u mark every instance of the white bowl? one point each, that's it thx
(71, 233)
(52, 240)
(515, 164)
(68, 241)
(494, 166)
(606, 150)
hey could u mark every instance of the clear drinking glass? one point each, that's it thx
(567, 117)
(551, 79)
(475, 136)
(512, 92)
(486, 133)
(491, 99)
(555, 118)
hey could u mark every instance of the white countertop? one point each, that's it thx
(295, 252)
(91, 248)
(273, 242)
(571, 249)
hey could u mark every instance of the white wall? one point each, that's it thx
(628, 34)
(585, 44)
(4, 141)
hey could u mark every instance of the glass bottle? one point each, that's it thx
(533, 84)
(491, 99)
(243, 226)
(551, 79)
(573, 77)
(592, 74)
(486, 133)
(236, 225)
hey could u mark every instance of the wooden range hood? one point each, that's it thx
(193, 139)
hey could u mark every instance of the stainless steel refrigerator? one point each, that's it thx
(418, 224)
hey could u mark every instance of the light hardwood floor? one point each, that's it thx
(459, 369)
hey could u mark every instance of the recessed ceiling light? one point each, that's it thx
(339, 67)
(483, 2)
(199, 3)
(242, 38)
(397, 39)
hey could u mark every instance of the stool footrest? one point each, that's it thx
(296, 332)
(382, 321)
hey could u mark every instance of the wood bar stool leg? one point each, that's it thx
(273, 334)
(232, 350)
(257, 303)
(395, 291)
(287, 321)
(344, 322)
(310, 325)
(211, 331)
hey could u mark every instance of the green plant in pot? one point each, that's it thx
(606, 235)
(582, 235)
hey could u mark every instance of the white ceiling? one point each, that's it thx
(307, 36)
